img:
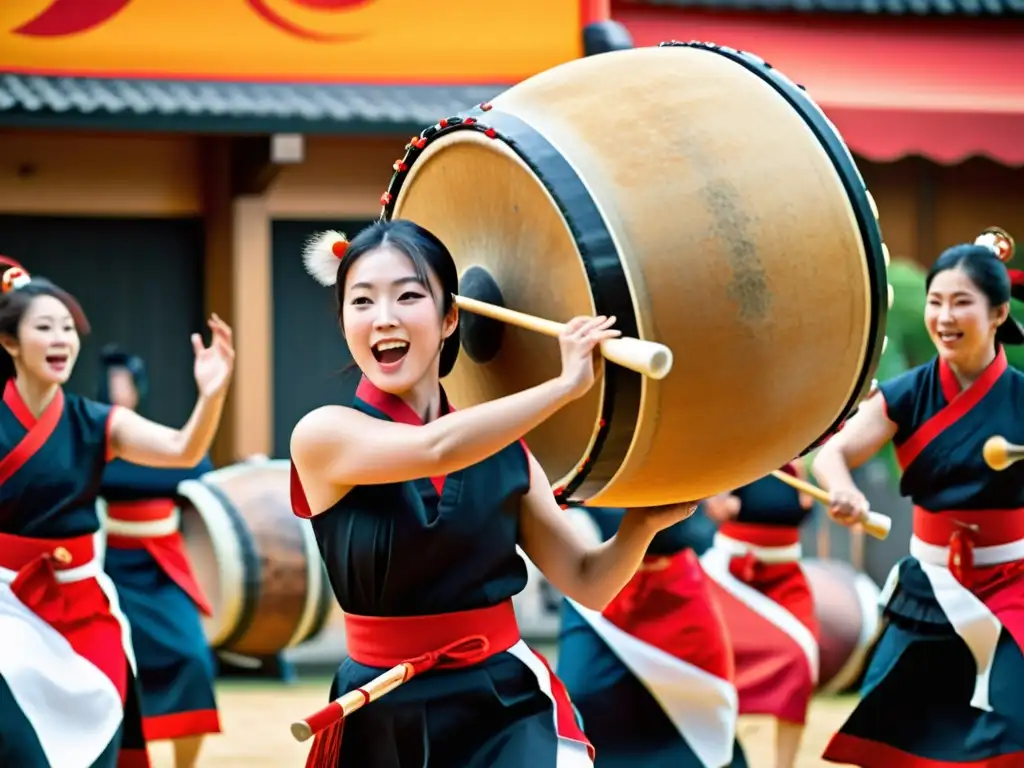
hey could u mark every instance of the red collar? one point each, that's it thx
(951, 385)
(393, 406)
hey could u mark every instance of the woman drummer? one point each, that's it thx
(652, 674)
(146, 560)
(68, 695)
(767, 603)
(418, 509)
(943, 686)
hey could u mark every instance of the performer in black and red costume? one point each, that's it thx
(418, 509)
(68, 695)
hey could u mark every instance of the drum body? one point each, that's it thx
(704, 200)
(257, 561)
(846, 603)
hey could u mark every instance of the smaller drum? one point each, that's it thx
(258, 563)
(846, 603)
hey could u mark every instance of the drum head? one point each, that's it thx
(515, 223)
(739, 234)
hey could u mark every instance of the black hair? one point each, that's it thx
(988, 274)
(16, 301)
(428, 255)
(112, 356)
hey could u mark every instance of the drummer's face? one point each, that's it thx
(392, 321)
(959, 317)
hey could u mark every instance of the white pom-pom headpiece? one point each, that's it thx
(998, 241)
(322, 254)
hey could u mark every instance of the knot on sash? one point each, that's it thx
(744, 567)
(463, 652)
(961, 554)
(36, 583)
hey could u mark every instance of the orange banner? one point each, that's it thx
(353, 41)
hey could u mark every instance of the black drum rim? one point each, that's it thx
(856, 191)
(606, 275)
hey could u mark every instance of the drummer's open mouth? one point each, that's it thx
(390, 351)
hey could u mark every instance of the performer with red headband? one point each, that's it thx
(652, 674)
(767, 603)
(68, 695)
(944, 684)
(418, 509)
(146, 560)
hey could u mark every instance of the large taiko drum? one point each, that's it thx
(704, 200)
(258, 563)
(846, 603)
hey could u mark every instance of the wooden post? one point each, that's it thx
(237, 173)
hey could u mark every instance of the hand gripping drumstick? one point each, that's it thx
(648, 358)
(1000, 454)
(875, 524)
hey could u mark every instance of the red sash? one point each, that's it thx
(39, 431)
(78, 610)
(168, 550)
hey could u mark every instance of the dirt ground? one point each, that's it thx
(255, 718)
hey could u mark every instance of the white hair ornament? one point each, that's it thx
(322, 254)
(998, 241)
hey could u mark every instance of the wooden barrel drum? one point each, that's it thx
(257, 561)
(705, 201)
(846, 603)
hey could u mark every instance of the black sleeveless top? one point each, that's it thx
(433, 545)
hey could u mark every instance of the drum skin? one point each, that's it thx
(257, 561)
(846, 603)
(706, 202)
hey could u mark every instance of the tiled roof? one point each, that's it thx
(29, 100)
(962, 8)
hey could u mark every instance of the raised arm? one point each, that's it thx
(340, 447)
(138, 440)
(590, 575)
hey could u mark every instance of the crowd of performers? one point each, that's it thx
(666, 637)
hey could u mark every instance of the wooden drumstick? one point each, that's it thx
(1000, 454)
(875, 524)
(345, 705)
(648, 358)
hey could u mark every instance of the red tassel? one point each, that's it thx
(326, 749)
(961, 555)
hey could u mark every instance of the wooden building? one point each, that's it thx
(164, 159)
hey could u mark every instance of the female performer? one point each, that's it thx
(418, 509)
(767, 603)
(146, 560)
(68, 695)
(652, 674)
(944, 684)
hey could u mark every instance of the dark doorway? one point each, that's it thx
(140, 282)
(310, 357)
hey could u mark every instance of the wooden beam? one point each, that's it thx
(236, 174)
